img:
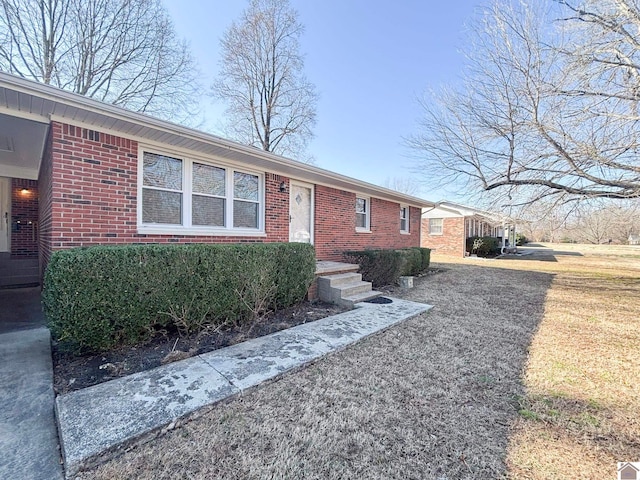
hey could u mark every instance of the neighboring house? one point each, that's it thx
(76, 172)
(634, 239)
(447, 225)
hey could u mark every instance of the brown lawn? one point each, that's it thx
(525, 368)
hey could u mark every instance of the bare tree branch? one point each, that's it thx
(550, 104)
(270, 104)
(123, 52)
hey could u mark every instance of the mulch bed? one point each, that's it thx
(76, 372)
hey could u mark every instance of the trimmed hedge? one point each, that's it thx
(101, 297)
(483, 246)
(383, 267)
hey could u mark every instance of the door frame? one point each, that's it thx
(312, 207)
(5, 192)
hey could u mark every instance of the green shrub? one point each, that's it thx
(383, 267)
(483, 246)
(380, 267)
(521, 239)
(101, 297)
(411, 261)
(426, 258)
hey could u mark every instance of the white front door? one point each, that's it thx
(301, 213)
(5, 214)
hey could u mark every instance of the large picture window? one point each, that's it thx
(180, 195)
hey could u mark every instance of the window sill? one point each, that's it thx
(435, 234)
(363, 230)
(204, 232)
(404, 233)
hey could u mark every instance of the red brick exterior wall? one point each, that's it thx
(24, 218)
(45, 204)
(88, 183)
(451, 242)
(335, 225)
(93, 186)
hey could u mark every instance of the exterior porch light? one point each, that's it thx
(283, 187)
(25, 191)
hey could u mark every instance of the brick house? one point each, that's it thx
(447, 225)
(77, 172)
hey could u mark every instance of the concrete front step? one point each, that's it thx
(351, 289)
(336, 288)
(16, 272)
(350, 301)
(324, 267)
(341, 279)
(19, 281)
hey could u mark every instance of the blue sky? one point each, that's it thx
(369, 60)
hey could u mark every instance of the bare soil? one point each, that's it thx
(75, 372)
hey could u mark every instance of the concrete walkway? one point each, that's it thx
(97, 421)
(28, 437)
(20, 309)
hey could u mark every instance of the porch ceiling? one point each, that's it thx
(21, 146)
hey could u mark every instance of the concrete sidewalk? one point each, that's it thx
(20, 309)
(28, 437)
(100, 420)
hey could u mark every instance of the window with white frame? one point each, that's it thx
(404, 219)
(246, 203)
(192, 196)
(435, 226)
(162, 194)
(363, 214)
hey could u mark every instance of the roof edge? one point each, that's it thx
(81, 102)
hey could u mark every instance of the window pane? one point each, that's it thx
(361, 220)
(435, 225)
(161, 171)
(207, 211)
(245, 214)
(245, 186)
(161, 207)
(208, 179)
(361, 205)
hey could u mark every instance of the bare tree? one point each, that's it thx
(547, 220)
(599, 222)
(123, 52)
(408, 185)
(550, 104)
(270, 103)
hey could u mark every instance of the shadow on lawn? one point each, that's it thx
(540, 254)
